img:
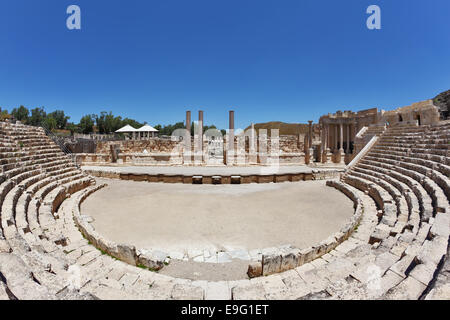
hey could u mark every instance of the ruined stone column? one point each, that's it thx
(329, 144)
(253, 146)
(229, 145)
(187, 147)
(188, 122)
(253, 136)
(322, 137)
(199, 142)
(336, 142)
(353, 135)
(200, 126)
(231, 128)
(328, 155)
(341, 144)
(348, 138)
(310, 133)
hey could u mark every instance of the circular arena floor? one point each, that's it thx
(187, 219)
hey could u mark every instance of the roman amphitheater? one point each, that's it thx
(355, 208)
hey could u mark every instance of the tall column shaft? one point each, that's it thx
(310, 134)
(322, 137)
(341, 137)
(200, 129)
(231, 120)
(188, 122)
(336, 146)
(329, 145)
(231, 130)
(348, 138)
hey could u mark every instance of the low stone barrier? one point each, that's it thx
(219, 179)
(153, 260)
(291, 258)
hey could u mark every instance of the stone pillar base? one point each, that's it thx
(327, 156)
(342, 156)
(309, 156)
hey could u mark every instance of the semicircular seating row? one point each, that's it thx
(395, 252)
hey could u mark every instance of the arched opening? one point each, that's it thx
(400, 118)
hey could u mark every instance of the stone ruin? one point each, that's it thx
(337, 138)
(395, 246)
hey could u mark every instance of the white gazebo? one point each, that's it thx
(143, 133)
(146, 131)
(127, 129)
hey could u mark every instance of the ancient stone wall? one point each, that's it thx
(289, 150)
(422, 113)
(291, 144)
(138, 146)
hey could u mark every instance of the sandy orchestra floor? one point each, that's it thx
(178, 217)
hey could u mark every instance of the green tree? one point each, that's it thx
(168, 129)
(104, 122)
(4, 114)
(108, 123)
(131, 122)
(21, 114)
(73, 128)
(50, 123)
(60, 118)
(37, 117)
(87, 124)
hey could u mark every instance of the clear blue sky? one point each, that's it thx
(281, 60)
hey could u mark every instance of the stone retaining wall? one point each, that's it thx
(218, 179)
(124, 252)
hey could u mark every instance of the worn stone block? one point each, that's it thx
(249, 292)
(282, 178)
(305, 256)
(187, 292)
(408, 289)
(289, 260)
(126, 253)
(254, 269)
(266, 178)
(271, 264)
(207, 180)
